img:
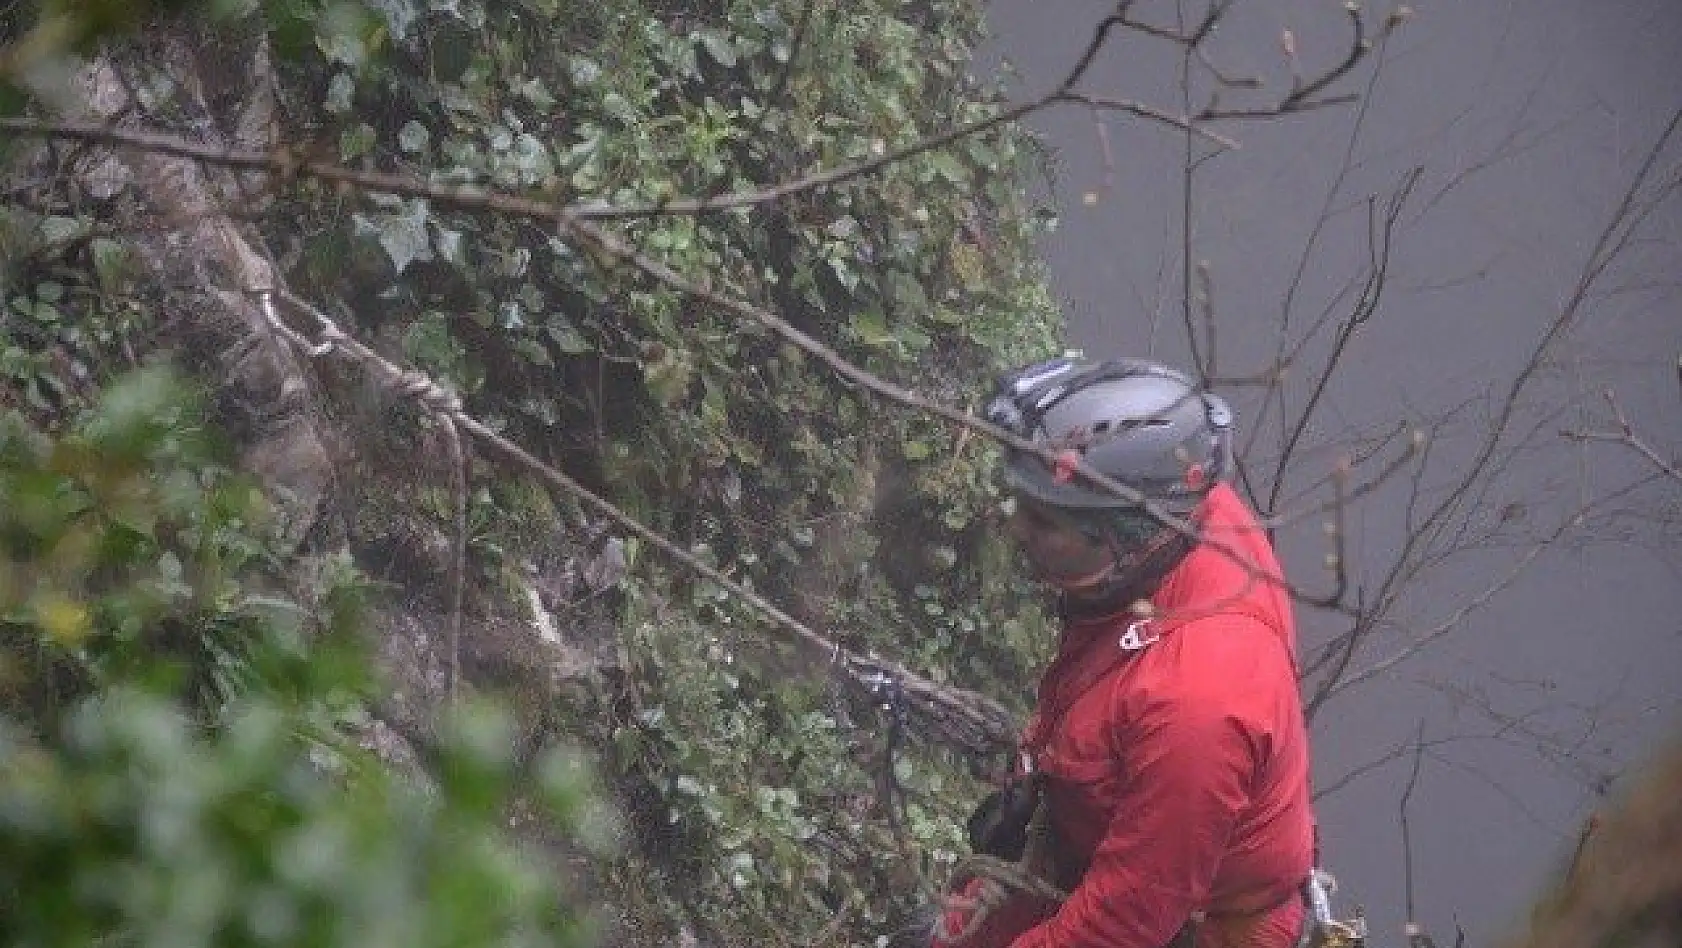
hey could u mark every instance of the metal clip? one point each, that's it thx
(1138, 635)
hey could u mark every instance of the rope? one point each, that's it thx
(960, 717)
(1000, 877)
(957, 716)
(442, 405)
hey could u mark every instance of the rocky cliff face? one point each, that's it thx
(750, 779)
(192, 228)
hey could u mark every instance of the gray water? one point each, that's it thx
(1526, 120)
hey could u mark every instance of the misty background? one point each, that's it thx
(1525, 123)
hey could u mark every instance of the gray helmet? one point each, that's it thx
(1141, 424)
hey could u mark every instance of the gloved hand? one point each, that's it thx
(999, 825)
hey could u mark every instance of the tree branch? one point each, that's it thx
(1407, 835)
(1626, 436)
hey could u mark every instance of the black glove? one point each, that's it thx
(999, 825)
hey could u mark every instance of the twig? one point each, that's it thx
(1626, 436)
(1380, 232)
(1329, 788)
(1206, 293)
(460, 473)
(1407, 835)
(1335, 684)
(1632, 209)
(1302, 97)
(1113, 104)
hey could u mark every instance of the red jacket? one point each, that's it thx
(1178, 775)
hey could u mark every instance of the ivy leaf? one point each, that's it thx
(110, 262)
(413, 137)
(949, 168)
(668, 379)
(402, 234)
(566, 336)
(584, 71)
(57, 229)
(538, 94)
(912, 338)
(843, 227)
(399, 15)
(356, 142)
(532, 351)
(871, 325)
(532, 158)
(340, 92)
(448, 243)
(719, 47)
(343, 33)
(845, 273)
(908, 292)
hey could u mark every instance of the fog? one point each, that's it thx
(1526, 123)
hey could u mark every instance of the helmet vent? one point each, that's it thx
(1131, 424)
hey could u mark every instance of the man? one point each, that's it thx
(1168, 735)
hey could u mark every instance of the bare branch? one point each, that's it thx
(1112, 104)
(1412, 745)
(1407, 834)
(1441, 629)
(1632, 209)
(1626, 436)
(1305, 94)
(1194, 38)
(1380, 233)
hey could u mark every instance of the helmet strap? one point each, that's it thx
(1132, 575)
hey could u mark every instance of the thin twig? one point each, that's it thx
(1407, 835)
(1633, 208)
(1304, 94)
(1380, 234)
(1626, 436)
(1206, 293)
(459, 473)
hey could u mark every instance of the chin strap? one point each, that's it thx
(1130, 576)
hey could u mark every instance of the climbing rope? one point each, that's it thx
(956, 716)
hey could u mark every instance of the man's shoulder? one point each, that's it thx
(1223, 658)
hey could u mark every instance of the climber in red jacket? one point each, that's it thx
(1168, 735)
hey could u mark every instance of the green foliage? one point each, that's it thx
(878, 525)
(132, 823)
(126, 543)
(708, 428)
(134, 812)
(768, 801)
